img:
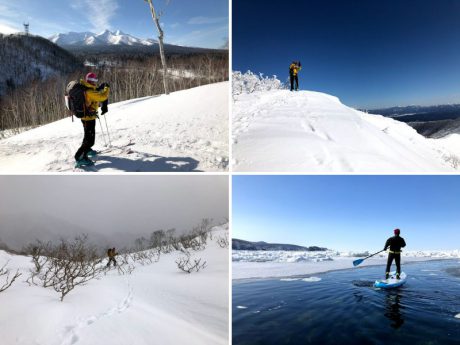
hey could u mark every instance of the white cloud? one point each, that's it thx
(7, 29)
(174, 25)
(100, 13)
(200, 38)
(206, 20)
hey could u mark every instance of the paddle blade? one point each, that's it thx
(357, 262)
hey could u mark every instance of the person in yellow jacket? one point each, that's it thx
(111, 253)
(294, 70)
(93, 96)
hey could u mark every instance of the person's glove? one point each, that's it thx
(104, 108)
(102, 86)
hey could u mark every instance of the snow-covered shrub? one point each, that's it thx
(66, 265)
(187, 265)
(223, 241)
(453, 160)
(6, 280)
(249, 82)
(146, 257)
(197, 238)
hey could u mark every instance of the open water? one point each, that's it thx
(343, 307)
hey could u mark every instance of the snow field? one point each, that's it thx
(184, 131)
(157, 303)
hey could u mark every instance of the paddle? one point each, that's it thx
(359, 261)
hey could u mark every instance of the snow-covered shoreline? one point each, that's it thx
(272, 264)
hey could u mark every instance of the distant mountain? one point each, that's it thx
(247, 245)
(83, 43)
(105, 38)
(24, 58)
(434, 121)
(420, 113)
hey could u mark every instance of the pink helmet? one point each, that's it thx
(91, 78)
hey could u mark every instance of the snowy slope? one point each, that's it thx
(184, 131)
(277, 130)
(156, 304)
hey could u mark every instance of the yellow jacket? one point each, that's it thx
(93, 98)
(294, 69)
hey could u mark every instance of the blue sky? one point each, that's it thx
(368, 53)
(201, 23)
(348, 212)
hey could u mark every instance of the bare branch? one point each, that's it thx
(185, 264)
(5, 277)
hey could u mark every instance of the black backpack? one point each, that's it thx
(75, 98)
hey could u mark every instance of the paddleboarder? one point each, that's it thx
(395, 243)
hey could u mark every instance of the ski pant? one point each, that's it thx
(112, 260)
(397, 258)
(294, 80)
(89, 128)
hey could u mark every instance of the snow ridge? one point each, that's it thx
(305, 131)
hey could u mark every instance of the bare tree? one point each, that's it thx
(187, 265)
(5, 280)
(156, 20)
(40, 253)
(125, 266)
(67, 264)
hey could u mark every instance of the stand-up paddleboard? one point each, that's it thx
(391, 282)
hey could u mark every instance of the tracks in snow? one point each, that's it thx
(71, 334)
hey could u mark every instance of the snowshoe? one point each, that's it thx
(92, 153)
(83, 162)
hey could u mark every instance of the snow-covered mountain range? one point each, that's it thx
(106, 38)
(306, 131)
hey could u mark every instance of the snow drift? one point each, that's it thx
(278, 130)
(156, 303)
(184, 131)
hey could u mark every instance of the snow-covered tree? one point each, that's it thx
(249, 82)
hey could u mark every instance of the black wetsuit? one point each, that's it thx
(395, 243)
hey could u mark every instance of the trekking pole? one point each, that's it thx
(108, 134)
(357, 262)
(102, 131)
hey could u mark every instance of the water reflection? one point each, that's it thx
(394, 309)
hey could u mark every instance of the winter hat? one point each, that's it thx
(397, 231)
(91, 78)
